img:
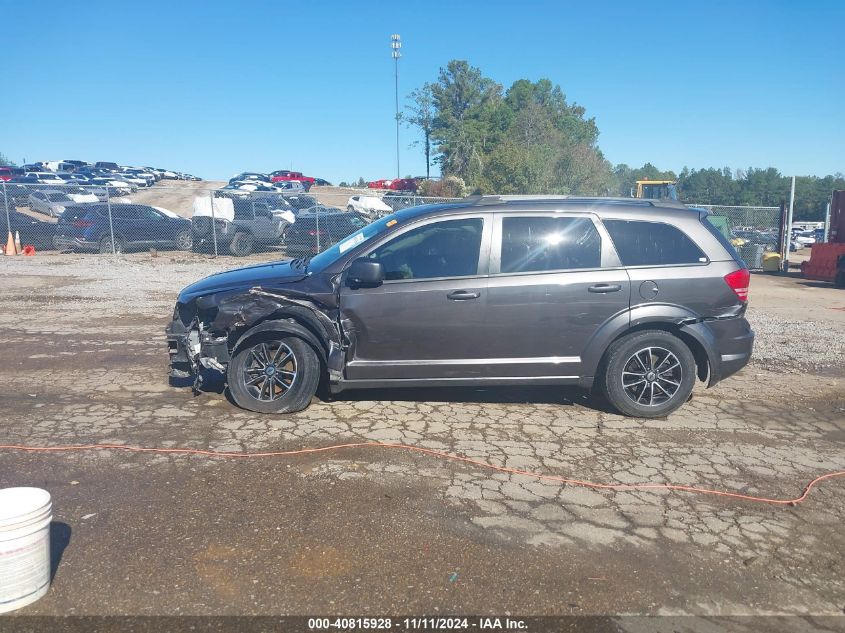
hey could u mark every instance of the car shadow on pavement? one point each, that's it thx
(537, 394)
(59, 540)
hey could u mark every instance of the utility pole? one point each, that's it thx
(395, 53)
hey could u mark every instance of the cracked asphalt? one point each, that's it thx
(378, 531)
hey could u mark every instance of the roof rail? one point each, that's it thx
(551, 199)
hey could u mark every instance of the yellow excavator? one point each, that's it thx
(656, 189)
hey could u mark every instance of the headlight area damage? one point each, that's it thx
(207, 331)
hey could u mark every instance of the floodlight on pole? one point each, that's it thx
(396, 53)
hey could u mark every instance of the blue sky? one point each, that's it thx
(217, 87)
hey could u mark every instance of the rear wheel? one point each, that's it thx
(350, 207)
(648, 374)
(242, 244)
(274, 373)
(184, 240)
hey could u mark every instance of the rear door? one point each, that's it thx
(554, 281)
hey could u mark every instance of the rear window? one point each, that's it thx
(641, 243)
(710, 222)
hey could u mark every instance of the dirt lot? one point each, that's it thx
(371, 531)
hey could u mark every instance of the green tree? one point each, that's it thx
(4, 160)
(420, 114)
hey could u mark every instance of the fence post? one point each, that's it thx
(789, 226)
(213, 224)
(6, 202)
(111, 224)
(318, 229)
(826, 223)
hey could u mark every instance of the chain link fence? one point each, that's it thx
(117, 217)
(754, 231)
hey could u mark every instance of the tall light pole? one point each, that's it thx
(396, 53)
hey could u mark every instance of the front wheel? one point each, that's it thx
(106, 245)
(274, 373)
(648, 374)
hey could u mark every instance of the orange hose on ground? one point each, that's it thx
(434, 453)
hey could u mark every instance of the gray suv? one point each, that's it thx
(634, 297)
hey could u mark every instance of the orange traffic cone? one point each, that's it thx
(18, 248)
(10, 245)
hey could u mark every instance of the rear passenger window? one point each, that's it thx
(548, 243)
(652, 244)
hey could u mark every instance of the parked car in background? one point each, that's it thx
(319, 228)
(45, 178)
(256, 223)
(804, 238)
(33, 232)
(397, 200)
(322, 182)
(300, 201)
(18, 194)
(107, 165)
(7, 172)
(283, 175)
(86, 227)
(290, 186)
(369, 206)
(250, 175)
(402, 184)
(52, 203)
(82, 195)
(115, 188)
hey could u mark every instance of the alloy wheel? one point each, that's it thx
(270, 370)
(652, 376)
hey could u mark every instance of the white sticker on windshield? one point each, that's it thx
(351, 242)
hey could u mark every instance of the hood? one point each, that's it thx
(271, 274)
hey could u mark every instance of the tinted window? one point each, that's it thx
(652, 244)
(548, 243)
(442, 249)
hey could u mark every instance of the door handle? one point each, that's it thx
(462, 295)
(604, 288)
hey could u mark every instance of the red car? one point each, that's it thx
(379, 184)
(402, 184)
(7, 173)
(284, 174)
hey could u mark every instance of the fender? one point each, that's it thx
(287, 326)
(686, 321)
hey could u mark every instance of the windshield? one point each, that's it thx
(321, 261)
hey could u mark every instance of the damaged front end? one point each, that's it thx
(206, 332)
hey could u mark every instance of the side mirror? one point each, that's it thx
(365, 273)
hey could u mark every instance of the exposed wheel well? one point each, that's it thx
(701, 361)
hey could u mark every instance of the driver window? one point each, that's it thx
(442, 249)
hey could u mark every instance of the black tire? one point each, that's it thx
(642, 353)
(184, 240)
(242, 244)
(106, 248)
(279, 395)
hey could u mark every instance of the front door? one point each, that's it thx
(425, 320)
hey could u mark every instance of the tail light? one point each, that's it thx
(739, 280)
(83, 224)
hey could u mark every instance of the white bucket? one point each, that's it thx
(25, 515)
